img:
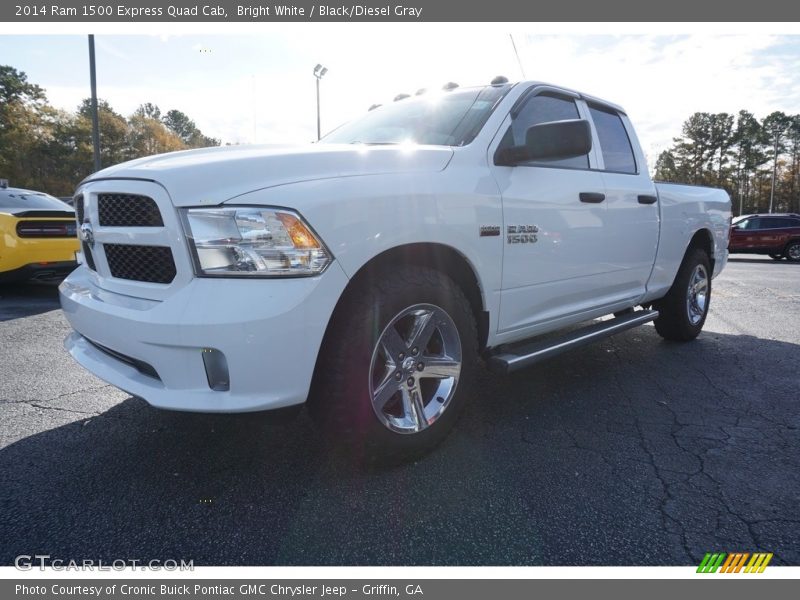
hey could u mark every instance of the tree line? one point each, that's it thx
(741, 154)
(50, 150)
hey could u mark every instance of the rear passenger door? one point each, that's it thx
(775, 233)
(631, 200)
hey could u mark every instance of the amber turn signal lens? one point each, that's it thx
(301, 236)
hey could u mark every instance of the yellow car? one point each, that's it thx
(38, 238)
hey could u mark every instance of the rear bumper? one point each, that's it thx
(270, 332)
(44, 270)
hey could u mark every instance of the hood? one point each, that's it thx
(216, 175)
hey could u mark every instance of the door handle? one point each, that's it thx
(592, 197)
(647, 199)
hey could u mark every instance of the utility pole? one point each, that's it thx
(95, 121)
(741, 195)
(777, 132)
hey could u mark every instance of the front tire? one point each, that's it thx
(683, 311)
(397, 365)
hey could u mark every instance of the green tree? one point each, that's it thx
(721, 140)
(51, 150)
(149, 110)
(776, 125)
(14, 87)
(792, 178)
(114, 143)
(148, 135)
(182, 126)
(748, 143)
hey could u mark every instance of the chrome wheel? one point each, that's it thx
(415, 368)
(697, 295)
(793, 252)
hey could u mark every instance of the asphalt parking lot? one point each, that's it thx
(633, 451)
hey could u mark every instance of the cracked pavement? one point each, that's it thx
(633, 451)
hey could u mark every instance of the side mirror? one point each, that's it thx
(550, 141)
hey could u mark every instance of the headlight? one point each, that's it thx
(252, 242)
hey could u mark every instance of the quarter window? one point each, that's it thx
(785, 223)
(614, 141)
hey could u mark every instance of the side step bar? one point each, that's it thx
(524, 354)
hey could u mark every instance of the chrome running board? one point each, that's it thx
(525, 353)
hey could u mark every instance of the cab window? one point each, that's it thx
(614, 141)
(544, 108)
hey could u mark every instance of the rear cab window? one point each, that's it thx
(614, 141)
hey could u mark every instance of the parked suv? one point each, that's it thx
(777, 235)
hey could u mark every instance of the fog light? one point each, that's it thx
(216, 370)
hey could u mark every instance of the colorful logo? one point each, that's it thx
(734, 562)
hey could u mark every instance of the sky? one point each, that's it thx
(260, 88)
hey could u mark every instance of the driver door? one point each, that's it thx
(555, 222)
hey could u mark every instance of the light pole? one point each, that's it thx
(319, 72)
(95, 124)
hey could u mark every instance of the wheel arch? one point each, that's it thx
(703, 239)
(792, 241)
(441, 257)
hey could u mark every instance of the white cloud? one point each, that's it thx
(266, 80)
(662, 80)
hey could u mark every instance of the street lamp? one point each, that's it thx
(319, 72)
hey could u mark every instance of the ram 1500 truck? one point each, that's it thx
(367, 275)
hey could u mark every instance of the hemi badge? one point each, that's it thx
(490, 230)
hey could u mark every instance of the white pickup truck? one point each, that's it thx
(366, 274)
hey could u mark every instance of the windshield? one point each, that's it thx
(27, 199)
(442, 119)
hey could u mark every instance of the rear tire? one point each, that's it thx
(683, 311)
(397, 366)
(792, 252)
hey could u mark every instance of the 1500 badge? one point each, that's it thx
(522, 234)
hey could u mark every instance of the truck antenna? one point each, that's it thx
(521, 68)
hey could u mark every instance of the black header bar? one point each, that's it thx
(34, 11)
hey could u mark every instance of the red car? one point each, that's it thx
(777, 235)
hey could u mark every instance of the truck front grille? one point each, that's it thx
(77, 204)
(87, 256)
(128, 210)
(153, 264)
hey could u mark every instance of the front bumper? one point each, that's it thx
(269, 330)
